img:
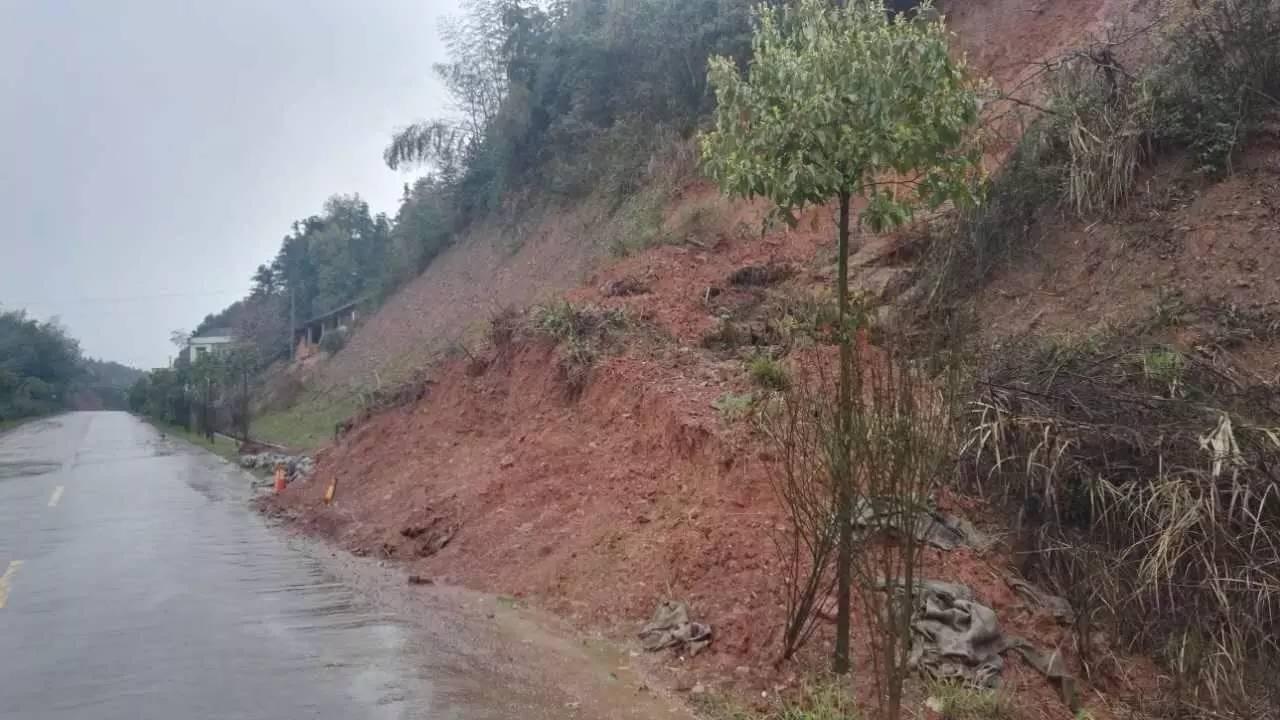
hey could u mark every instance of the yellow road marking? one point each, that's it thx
(6, 580)
(57, 495)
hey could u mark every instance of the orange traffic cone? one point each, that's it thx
(280, 484)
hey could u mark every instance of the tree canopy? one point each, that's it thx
(38, 363)
(42, 370)
(567, 96)
(852, 101)
(546, 94)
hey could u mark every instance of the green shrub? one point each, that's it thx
(1164, 366)
(572, 324)
(581, 334)
(768, 374)
(1219, 73)
(963, 256)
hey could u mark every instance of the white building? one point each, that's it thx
(214, 340)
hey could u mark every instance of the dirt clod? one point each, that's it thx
(626, 286)
(761, 275)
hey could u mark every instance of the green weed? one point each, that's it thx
(1163, 365)
(956, 701)
(768, 374)
(733, 407)
(581, 332)
(826, 700)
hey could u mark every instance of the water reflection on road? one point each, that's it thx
(147, 587)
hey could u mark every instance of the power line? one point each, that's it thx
(122, 298)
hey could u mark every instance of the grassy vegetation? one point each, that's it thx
(1214, 78)
(221, 445)
(7, 425)
(768, 374)
(581, 332)
(733, 407)
(1148, 470)
(958, 702)
(825, 699)
(821, 701)
(306, 425)
(637, 223)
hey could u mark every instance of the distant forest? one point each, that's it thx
(42, 371)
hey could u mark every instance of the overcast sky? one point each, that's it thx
(154, 152)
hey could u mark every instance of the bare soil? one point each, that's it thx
(597, 506)
(1181, 237)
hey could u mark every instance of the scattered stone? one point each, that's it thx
(507, 462)
(420, 580)
(698, 689)
(297, 467)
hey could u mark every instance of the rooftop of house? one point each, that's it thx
(213, 335)
(335, 311)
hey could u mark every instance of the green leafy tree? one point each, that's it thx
(842, 103)
(39, 363)
(558, 95)
(239, 367)
(264, 282)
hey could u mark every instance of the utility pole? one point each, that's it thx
(293, 320)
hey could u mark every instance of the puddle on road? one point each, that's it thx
(9, 470)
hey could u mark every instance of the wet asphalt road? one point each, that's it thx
(138, 582)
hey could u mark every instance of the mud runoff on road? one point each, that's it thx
(138, 580)
(493, 657)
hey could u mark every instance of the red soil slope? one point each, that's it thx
(600, 507)
(637, 490)
(1180, 235)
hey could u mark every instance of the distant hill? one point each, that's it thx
(111, 374)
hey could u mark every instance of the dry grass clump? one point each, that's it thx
(1147, 478)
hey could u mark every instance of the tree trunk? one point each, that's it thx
(842, 471)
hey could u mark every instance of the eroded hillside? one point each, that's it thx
(596, 456)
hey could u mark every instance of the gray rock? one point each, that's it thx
(296, 466)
